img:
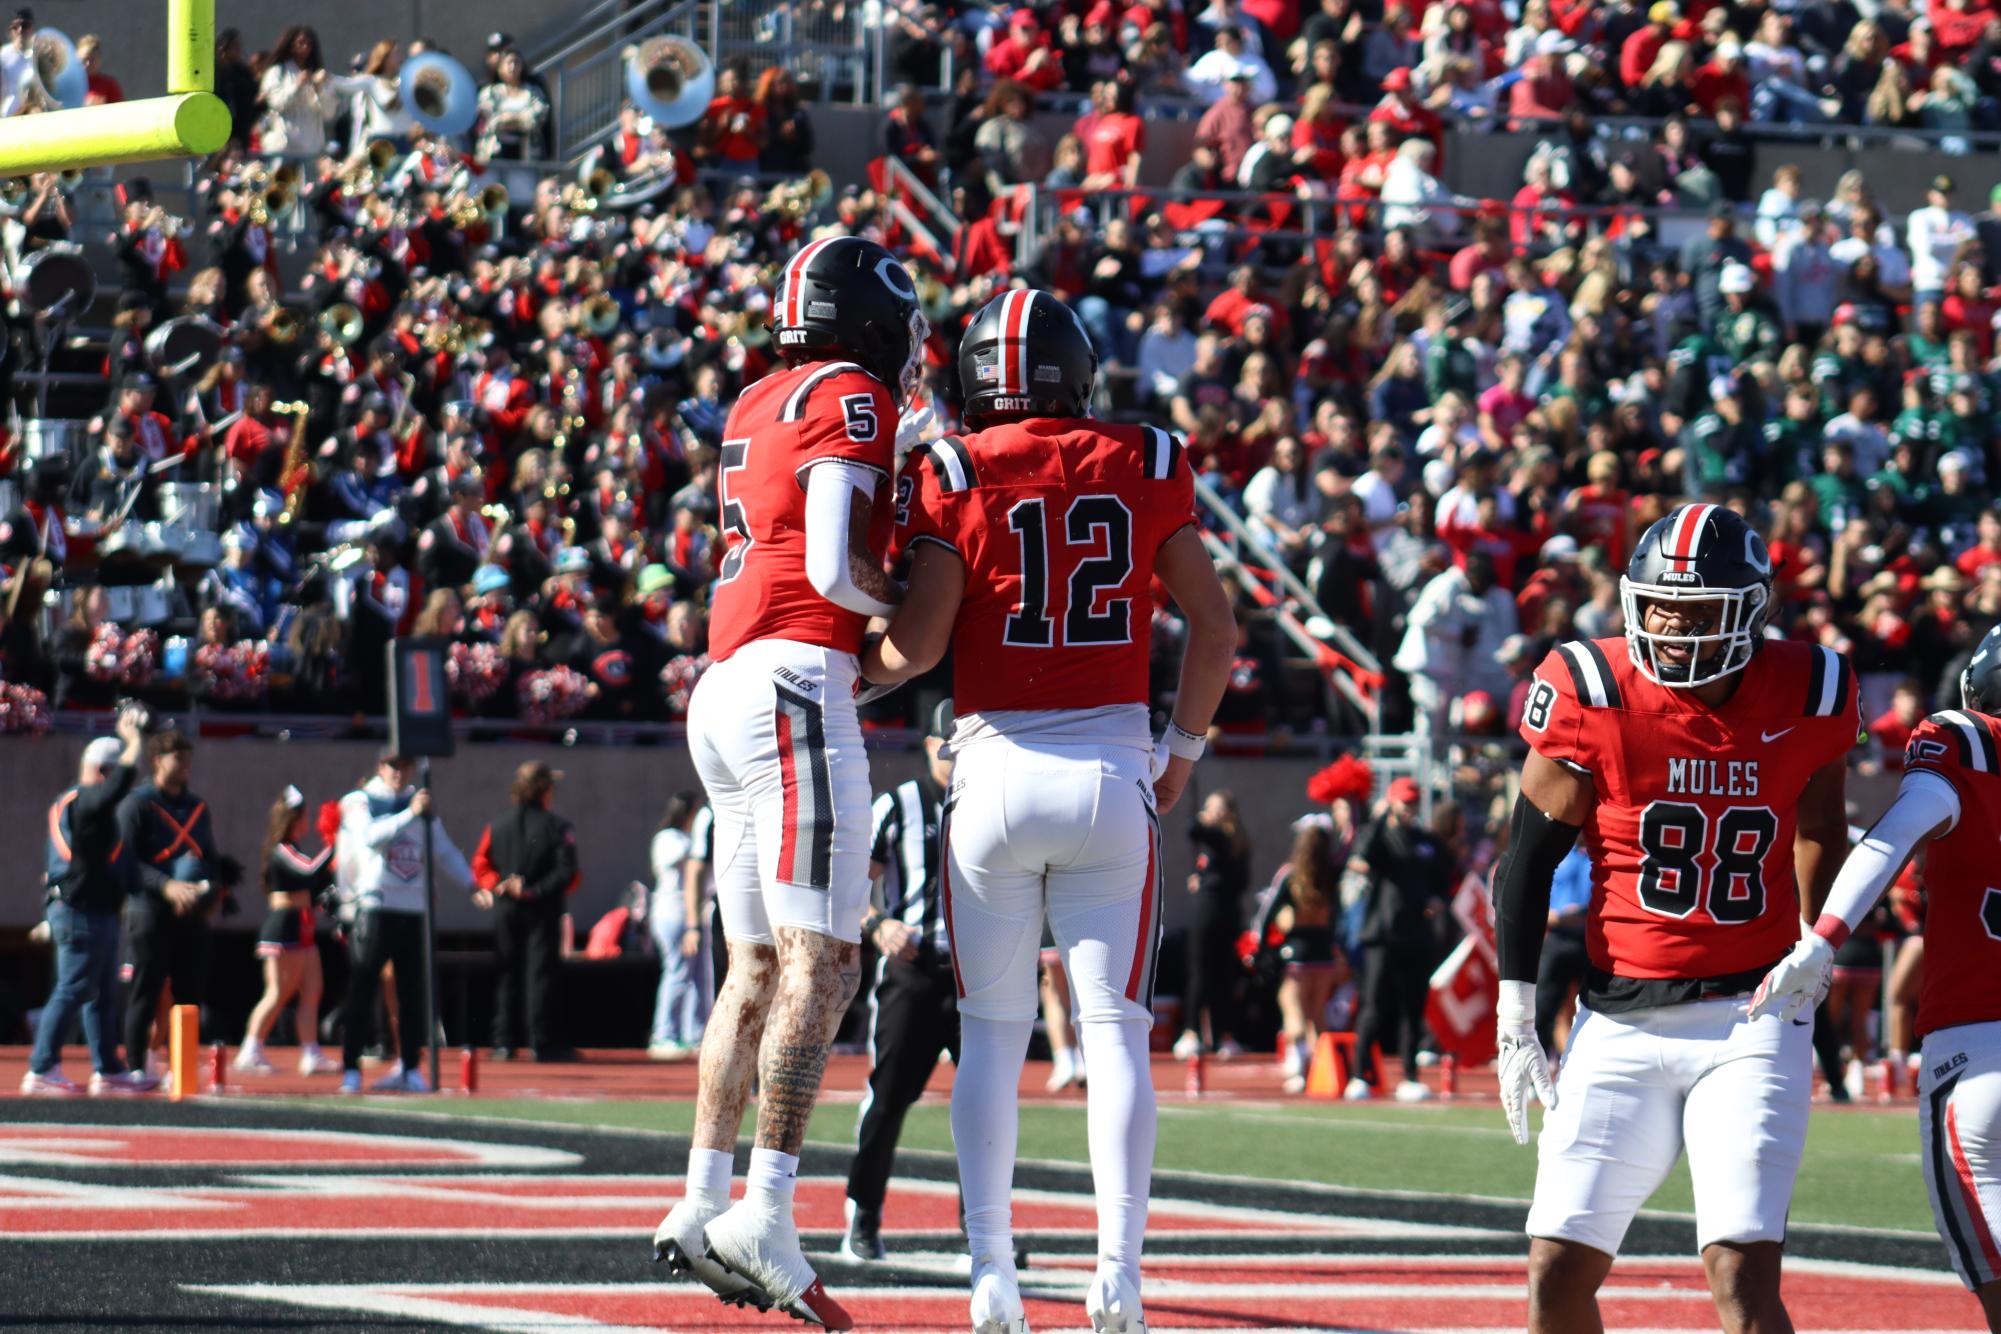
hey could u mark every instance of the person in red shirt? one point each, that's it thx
(1525, 222)
(1033, 540)
(1319, 131)
(1891, 730)
(1706, 841)
(1113, 140)
(732, 130)
(1488, 253)
(1947, 808)
(1636, 56)
(1401, 110)
(1721, 79)
(102, 88)
(807, 458)
(1986, 550)
(1025, 54)
(1600, 513)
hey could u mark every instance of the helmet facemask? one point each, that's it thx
(1740, 622)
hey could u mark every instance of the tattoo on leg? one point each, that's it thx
(817, 977)
(730, 1045)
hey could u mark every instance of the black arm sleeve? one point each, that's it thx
(1536, 845)
(97, 802)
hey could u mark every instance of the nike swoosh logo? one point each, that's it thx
(1770, 737)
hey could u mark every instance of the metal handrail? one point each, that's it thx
(1339, 681)
(1343, 639)
(896, 176)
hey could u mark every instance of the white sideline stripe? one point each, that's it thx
(376, 1301)
(18, 1146)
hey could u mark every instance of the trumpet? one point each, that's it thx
(600, 314)
(280, 325)
(168, 224)
(597, 183)
(494, 200)
(464, 211)
(802, 198)
(577, 199)
(380, 153)
(342, 323)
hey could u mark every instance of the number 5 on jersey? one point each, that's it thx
(736, 524)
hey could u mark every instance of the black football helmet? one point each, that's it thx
(1980, 683)
(1698, 553)
(1026, 352)
(849, 297)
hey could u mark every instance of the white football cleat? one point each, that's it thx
(1112, 1303)
(1063, 1071)
(1187, 1047)
(759, 1245)
(678, 1241)
(997, 1307)
(1411, 1090)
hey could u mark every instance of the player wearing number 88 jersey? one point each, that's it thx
(804, 483)
(1033, 542)
(1704, 768)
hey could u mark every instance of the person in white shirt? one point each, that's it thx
(1935, 234)
(297, 99)
(17, 62)
(1860, 428)
(1284, 504)
(1893, 271)
(1453, 636)
(1779, 207)
(675, 917)
(1806, 280)
(1207, 77)
(1414, 198)
(382, 833)
(1377, 490)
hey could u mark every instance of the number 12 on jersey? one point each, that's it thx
(1102, 526)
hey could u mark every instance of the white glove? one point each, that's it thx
(1798, 982)
(1521, 1061)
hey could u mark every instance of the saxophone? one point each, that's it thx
(295, 477)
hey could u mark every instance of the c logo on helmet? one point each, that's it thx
(896, 278)
(1756, 554)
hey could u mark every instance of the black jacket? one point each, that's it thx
(534, 844)
(160, 830)
(84, 867)
(1410, 873)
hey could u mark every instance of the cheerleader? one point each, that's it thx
(291, 956)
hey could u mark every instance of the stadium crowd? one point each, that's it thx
(500, 422)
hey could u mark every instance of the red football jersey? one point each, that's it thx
(778, 429)
(1691, 841)
(1058, 522)
(1962, 904)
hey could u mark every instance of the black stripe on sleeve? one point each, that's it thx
(1816, 681)
(1604, 673)
(1842, 685)
(1986, 742)
(1579, 683)
(965, 457)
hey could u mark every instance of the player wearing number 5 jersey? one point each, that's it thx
(807, 457)
(1033, 542)
(1948, 806)
(1705, 768)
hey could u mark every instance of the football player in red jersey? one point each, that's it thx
(1948, 805)
(1705, 767)
(1033, 542)
(807, 457)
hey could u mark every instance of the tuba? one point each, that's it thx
(440, 93)
(58, 70)
(669, 79)
(342, 323)
(600, 314)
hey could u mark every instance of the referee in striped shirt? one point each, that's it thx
(914, 1011)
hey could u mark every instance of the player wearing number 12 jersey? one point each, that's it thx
(1033, 541)
(807, 457)
(1704, 767)
(1948, 806)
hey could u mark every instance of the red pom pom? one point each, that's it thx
(1348, 777)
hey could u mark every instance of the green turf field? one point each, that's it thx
(1861, 1166)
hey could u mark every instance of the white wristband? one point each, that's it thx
(1183, 744)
